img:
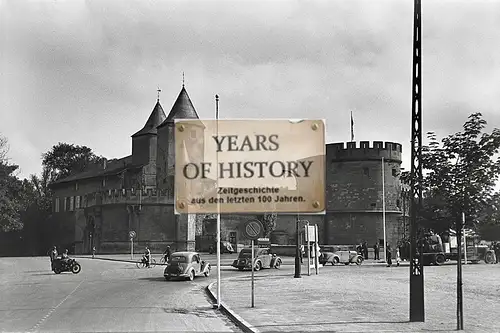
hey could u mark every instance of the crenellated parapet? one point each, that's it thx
(363, 151)
(129, 196)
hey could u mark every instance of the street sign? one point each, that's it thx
(249, 166)
(253, 229)
(310, 233)
(131, 234)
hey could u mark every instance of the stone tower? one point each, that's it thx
(144, 147)
(354, 192)
(165, 167)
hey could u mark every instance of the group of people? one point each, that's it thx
(146, 258)
(362, 249)
(53, 255)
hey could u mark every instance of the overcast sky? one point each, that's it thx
(86, 72)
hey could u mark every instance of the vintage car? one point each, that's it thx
(186, 265)
(262, 259)
(329, 257)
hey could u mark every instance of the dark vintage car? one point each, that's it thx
(186, 265)
(262, 259)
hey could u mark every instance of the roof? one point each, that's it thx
(156, 118)
(182, 109)
(113, 167)
(183, 253)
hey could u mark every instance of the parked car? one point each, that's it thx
(262, 259)
(186, 265)
(329, 257)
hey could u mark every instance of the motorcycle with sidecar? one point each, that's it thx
(60, 265)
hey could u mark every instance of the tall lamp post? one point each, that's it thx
(298, 253)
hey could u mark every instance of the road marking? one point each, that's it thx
(41, 321)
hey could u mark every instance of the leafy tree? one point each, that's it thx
(66, 159)
(269, 223)
(462, 171)
(11, 203)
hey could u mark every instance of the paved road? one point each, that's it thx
(106, 297)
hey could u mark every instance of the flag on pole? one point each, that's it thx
(352, 128)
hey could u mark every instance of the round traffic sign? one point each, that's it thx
(131, 234)
(253, 229)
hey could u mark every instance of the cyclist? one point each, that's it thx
(167, 255)
(147, 257)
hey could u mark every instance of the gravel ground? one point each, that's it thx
(365, 299)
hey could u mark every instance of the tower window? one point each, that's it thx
(394, 172)
(366, 171)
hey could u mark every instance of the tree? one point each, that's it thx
(11, 195)
(66, 159)
(269, 223)
(462, 172)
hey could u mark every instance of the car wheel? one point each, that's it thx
(240, 268)
(76, 268)
(359, 261)
(191, 276)
(335, 261)
(207, 272)
(278, 264)
(57, 270)
(258, 266)
(440, 259)
(489, 258)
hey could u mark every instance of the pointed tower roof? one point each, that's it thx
(182, 109)
(155, 119)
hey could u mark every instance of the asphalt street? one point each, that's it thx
(105, 296)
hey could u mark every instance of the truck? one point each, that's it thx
(475, 250)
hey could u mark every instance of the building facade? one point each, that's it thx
(100, 207)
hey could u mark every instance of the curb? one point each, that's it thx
(235, 318)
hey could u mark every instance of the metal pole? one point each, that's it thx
(253, 283)
(308, 250)
(131, 248)
(383, 210)
(218, 206)
(316, 252)
(298, 253)
(465, 239)
(460, 308)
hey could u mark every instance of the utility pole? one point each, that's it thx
(417, 312)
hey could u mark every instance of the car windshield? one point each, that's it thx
(178, 259)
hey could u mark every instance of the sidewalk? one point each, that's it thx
(352, 299)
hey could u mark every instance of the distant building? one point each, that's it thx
(100, 207)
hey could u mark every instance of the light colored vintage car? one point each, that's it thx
(329, 257)
(186, 265)
(262, 259)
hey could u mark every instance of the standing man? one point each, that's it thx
(365, 250)
(53, 256)
(497, 252)
(147, 256)
(167, 255)
(93, 252)
(376, 250)
(388, 255)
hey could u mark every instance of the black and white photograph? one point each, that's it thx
(249, 166)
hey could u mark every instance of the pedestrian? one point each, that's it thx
(53, 256)
(388, 255)
(365, 250)
(398, 257)
(93, 252)
(302, 254)
(497, 252)
(167, 255)
(376, 251)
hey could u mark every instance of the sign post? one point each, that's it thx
(308, 235)
(252, 230)
(316, 248)
(131, 235)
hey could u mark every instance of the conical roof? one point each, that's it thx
(155, 119)
(183, 109)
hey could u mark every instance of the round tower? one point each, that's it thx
(354, 193)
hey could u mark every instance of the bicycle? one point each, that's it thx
(163, 261)
(142, 263)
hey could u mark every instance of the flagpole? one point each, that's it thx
(218, 204)
(352, 128)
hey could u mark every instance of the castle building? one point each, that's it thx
(101, 206)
